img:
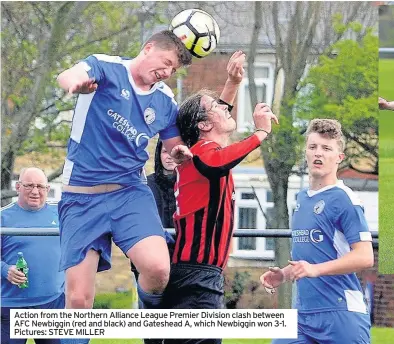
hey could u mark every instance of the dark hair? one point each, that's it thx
(330, 128)
(190, 114)
(167, 40)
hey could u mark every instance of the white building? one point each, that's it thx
(251, 183)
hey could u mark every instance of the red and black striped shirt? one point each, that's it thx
(204, 192)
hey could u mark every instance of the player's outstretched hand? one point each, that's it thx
(15, 276)
(263, 117)
(385, 105)
(382, 103)
(301, 269)
(181, 153)
(84, 87)
(272, 279)
(235, 68)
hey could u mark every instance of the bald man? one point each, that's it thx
(42, 254)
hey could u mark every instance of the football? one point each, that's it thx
(198, 30)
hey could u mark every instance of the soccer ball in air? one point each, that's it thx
(198, 31)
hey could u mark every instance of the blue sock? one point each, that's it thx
(148, 301)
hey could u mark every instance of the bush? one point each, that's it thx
(235, 288)
(123, 300)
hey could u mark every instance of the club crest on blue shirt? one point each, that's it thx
(316, 235)
(319, 207)
(149, 115)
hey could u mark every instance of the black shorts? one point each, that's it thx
(194, 286)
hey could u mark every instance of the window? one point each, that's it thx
(249, 216)
(247, 195)
(264, 88)
(247, 220)
(51, 193)
(270, 197)
(261, 91)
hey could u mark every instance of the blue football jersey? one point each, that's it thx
(324, 225)
(111, 126)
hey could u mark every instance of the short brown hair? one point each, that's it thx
(167, 40)
(330, 128)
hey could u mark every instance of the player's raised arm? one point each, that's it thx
(76, 80)
(235, 73)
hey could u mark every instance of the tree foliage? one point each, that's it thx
(299, 32)
(343, 86)
(41, 39)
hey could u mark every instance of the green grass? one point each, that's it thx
(379, 336)
(114, 300)
(386, 170)
(386, 72)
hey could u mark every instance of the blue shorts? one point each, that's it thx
(89, 221)
(331, 328)
(58, 303)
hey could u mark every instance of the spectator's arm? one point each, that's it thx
(4, 269)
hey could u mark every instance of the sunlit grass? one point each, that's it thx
(386, 170)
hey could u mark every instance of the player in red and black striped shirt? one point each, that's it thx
(204, 193)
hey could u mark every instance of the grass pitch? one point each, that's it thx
(386, 170)
(379, 335)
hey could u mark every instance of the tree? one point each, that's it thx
(298, 33)
(343, 86)
(39, 40)
(301, 32)
(386, 26)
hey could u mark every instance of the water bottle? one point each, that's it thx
(21, 265)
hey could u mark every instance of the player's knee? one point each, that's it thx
(158, 276)
(79, 300)
(161, 272)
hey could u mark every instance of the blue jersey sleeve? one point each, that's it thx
(93, 66)
(4, 265)
(351, 220)
(171, 130)
(4, 269)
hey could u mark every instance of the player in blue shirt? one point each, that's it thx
(122, 103)
(42, 254)
(331, 241)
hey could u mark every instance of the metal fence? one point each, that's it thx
(254, 233)
(387, 53)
